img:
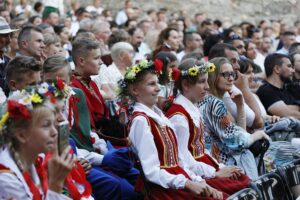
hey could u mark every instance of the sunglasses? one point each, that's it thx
(227, 75)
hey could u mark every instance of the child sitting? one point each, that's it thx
(153, 138)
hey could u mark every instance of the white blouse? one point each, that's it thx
(143, 142)
(194, 168)
(13, 185)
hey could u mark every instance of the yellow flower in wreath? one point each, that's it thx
(211, 67)
(35, 98)
(136, 69)
(4, 119)
(193, 71)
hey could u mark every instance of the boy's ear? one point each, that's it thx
(81, 61)
(12, 85)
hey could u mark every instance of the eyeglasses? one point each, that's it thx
(235, 37)
(255, 30)
(227, 75)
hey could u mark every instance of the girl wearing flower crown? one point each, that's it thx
(189, 129)
(101, 163)
(152, 137)
(28, 129)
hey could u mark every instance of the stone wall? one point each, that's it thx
(232, 10)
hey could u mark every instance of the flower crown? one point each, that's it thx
(175, 74)
(132, 72)
(20, 103)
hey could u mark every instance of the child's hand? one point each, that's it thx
(233, 172)
(59, 167)
(86, 165)
(203, 189)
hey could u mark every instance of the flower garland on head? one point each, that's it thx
(132, 72)
(175, 74)
(20, 103)
(59, 89)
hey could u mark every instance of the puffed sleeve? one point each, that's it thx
(92, 157)
(12, 188)
(220, 126)
(186, 159)
(55, 196)
(143, 141)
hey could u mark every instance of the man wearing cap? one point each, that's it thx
(5, 38)
(51, 16)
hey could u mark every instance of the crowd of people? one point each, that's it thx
(159, 104)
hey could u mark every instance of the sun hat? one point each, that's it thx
(4, 27)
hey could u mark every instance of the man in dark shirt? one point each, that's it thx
(5, 38)
(275, 97)
(294, 87)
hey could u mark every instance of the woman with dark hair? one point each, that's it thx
(168, 40)
(167, 60)
(210, 42)
(247, 66)
(250, 50)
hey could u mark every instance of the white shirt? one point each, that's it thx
(283, 51)
(231, 107)
(180, 55)
(196, 170)
(2, 96)
(92, 8)
(142, 140)
(13, 185)
(260, 61)
(93, 157)
(121, 17)
(59, 4)
(144, 49)
(19, 9)
(108, 75)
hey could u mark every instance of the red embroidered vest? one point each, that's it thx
(94, 99)
(196, 143)
(166, 144)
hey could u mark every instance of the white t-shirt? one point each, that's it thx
(19, 9)
(231, 107)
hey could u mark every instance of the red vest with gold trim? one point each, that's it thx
(166, 144)
(196, 143)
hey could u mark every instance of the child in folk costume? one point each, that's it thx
(76, 184)
(189, 128)
(153, 138)
(27, 130)
(101, 163)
